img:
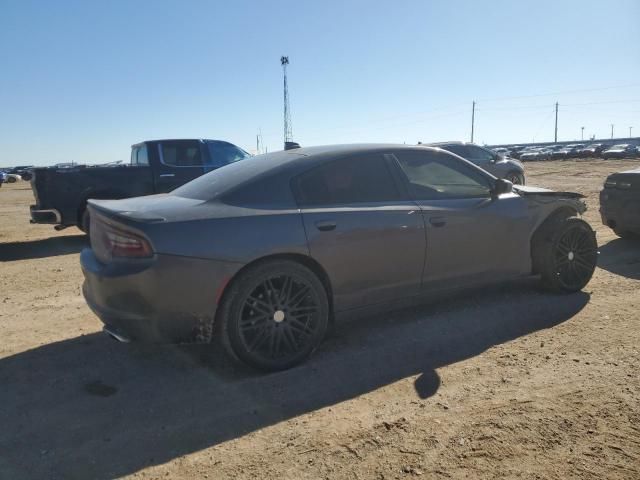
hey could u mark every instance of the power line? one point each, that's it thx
(565, 92)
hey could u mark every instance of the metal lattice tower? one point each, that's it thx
(288, 136)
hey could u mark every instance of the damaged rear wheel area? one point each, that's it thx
(565, 253)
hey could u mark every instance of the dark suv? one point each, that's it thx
(497, 165)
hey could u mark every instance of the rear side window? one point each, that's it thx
(435, 176)
(222, 153)
(139, 155)
(360, 179)
(473, 153)
(181, 154)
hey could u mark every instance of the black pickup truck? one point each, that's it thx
(156, 166)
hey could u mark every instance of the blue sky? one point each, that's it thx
(84, 80)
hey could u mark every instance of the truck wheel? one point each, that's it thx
(274, 316)
(567, 255)
(85, 221)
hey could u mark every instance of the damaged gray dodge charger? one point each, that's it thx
(263, 254)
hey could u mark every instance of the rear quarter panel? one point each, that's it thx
(247, 236)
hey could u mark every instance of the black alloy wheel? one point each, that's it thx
(571, 256)
(278, 315)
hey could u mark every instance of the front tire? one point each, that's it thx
(566, 255)
(275, 315)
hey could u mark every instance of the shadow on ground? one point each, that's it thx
(89, 407)
(47, 247)
(622, 257)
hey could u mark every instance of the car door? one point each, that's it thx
(366, 234)
(472, 235)
(180, 161)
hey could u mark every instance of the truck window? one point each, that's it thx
(139, 155)
(223, 153)
(180, 154)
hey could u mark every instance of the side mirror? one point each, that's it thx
(502, 186)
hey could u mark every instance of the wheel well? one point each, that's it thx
(544, 230)
(305, 260)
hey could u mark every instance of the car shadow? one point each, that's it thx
(46, 247)
(89, 407)
(622, 257)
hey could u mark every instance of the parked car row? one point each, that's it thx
(576, 150)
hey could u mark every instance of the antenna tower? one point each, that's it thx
(288, 136)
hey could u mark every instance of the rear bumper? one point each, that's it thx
(620, 209)
(47, 215)
(166, 299)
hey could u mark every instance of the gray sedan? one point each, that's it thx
(264, 254)
(496, 164)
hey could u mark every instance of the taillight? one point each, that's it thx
(108, 242)
(124, 244)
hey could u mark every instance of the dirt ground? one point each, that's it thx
(506, 382)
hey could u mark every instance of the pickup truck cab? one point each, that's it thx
(156, 166)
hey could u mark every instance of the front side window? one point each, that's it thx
(360, 179)
(222, 153)
(434, 176)
(181, 154)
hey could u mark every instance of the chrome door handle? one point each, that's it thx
(165, 175)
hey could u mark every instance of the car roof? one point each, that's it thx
(238, 175)
(179, 140)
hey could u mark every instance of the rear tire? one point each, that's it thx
(566, 255)
(274, 315)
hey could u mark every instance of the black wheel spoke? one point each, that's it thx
(279, 318)
(300, 326)
(259, 338)
(303, 311)
(299, 296)
(254, 321)
(290, 339)
(260, 305)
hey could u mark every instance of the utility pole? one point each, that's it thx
(612, 130)
(288, 136)
(582, 133)
(473, 118)
(630, 131)
(555, 137)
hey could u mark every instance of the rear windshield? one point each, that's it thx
(225, 179)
